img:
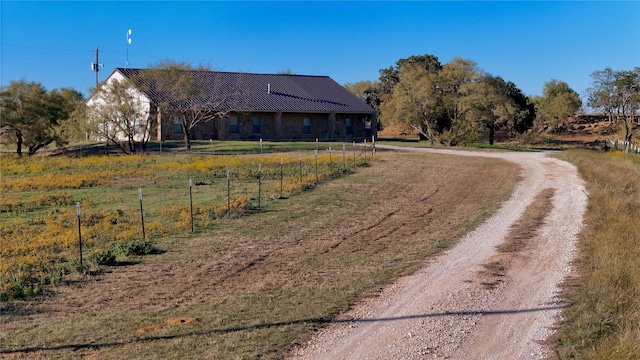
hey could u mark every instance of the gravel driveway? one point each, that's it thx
(445, 312)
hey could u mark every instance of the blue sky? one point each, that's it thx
(529, 43)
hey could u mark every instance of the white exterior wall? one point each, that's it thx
(142, 104)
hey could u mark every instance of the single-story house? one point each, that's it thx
(260, 106)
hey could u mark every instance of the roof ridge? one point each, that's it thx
(228, 72)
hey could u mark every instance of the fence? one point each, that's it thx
(103, 210)
(633, 146)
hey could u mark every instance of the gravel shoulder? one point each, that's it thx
(444, 311)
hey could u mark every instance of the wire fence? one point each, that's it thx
(100, 222)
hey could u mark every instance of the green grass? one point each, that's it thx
(603, 321)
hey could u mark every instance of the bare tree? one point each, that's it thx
(193, 96)
(627, 85)
(122, 115)
(617, 93)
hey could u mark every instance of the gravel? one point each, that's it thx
(444, 311)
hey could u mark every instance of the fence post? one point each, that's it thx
(228, 192)
(260, 146)
(144, 236)
(330, 162)
(373, 146)
(259, 184)
(281, 176)
(316, 165)
(344, 159)
(79, 233)
(365, 151)
(191, 202)
(300, 171)
(354, 154)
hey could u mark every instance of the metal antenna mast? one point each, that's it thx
(95, 66)
(128, 43)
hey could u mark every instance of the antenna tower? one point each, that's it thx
(128, 43)
(95, 66)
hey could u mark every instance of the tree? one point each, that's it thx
(489, 104)
(186, 94)
(458, 87)
(498, 104)
(525, 114)
(602, 95)
(359, 88)
(389, 77)
(31, 115)
(557, 104)
(413, 101)
(122, 113)
(617, 94)
(76, 127)
(627, 89)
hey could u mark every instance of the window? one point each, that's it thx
(306, 126)
(177, 126)
(233, 125)
(256, 125)
(349, 124)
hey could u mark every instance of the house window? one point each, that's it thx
(306, 126)
(233, 125)
(177, 126)
(256, 125)
(349, 124)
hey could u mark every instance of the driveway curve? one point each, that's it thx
(444, 311)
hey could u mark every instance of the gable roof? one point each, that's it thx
(264, 92)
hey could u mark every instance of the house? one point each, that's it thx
(259, 106)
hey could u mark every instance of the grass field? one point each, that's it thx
(39, 237)
(603, 321)
(258, 284)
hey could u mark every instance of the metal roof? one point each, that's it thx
(235, 91)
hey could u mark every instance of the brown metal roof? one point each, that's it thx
(266, 92)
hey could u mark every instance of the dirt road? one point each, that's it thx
(445, 312)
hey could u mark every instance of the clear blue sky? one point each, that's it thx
(529, 43)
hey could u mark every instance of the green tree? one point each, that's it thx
(31, 116)
(413, 101)
(556, 105)
(459, 88)
(498, 105)
(489, 104)
(389, 77)
(525, 114)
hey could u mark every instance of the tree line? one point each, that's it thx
(456, 102)
(34, 117)
(451, 104)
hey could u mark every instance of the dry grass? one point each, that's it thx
(603, 321)
(527, 226)
(259, 284)
(520, 234)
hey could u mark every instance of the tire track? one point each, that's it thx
(444, 311)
